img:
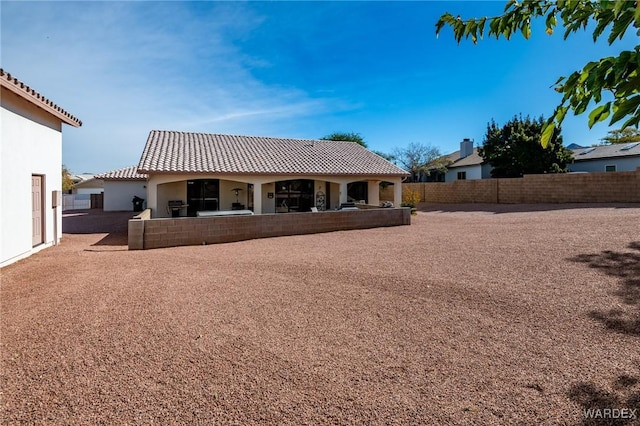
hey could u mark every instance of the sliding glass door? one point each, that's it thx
(202, 195)
(294, 195)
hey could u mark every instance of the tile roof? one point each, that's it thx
(180, 152)
(127, 173)
(26, 92)
(605, 151)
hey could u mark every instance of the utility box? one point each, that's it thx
(56, 198)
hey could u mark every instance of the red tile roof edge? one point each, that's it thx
(125, 173)
(26, 92)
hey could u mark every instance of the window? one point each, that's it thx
(629, 146)
(610, 168)
(587, 151)
(462, 175)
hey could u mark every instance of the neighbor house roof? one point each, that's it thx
(127, 173)
(77, 178)
(179, 152)
(470, 160)
(90, 183)
(19, 88)
(606, 151)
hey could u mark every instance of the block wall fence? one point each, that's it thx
(146, 233)
(616, 187)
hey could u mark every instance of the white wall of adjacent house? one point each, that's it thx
(31, 145)
(88, 191)
(622, 164)
(470, 172)
(118, 195)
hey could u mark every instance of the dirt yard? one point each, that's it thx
(472, 315)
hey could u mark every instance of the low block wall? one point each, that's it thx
(183, 231)
(618, 187)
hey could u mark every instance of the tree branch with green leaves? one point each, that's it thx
(617, 75)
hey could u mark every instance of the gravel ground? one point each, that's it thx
(474, 314)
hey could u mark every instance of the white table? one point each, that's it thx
(208, 213)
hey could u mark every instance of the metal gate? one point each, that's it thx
(97, 201)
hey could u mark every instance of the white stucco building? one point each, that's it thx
(466, 164)
(606, 158)
(190, 173)
(30, 169)
(120, 186)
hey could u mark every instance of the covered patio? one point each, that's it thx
(186, 195)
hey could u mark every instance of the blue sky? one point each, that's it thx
(284, 69)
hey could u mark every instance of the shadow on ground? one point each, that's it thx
(625, 389)
(625, 266)
(94, 221)
(623, 401)
(513, 208)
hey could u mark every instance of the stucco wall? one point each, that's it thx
(30, 146)
(473, 172)
(477, 171)
(118, 195)
(623, 164)
(228, 196)
(268, 204)
(88, 191)
(167, 192)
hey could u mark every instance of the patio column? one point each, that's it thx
(152, 197)
(373, 192)
(257, 198)
(397, 192)
(343, 192)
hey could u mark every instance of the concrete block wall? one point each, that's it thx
(622, 187)
(457, 192)
(618, 187)
(136, 230)
(158, 233)
(386, 193)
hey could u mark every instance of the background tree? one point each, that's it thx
(618, 76)
(389, 157)
(626, 135)
(67, 182)
(342, 136)
(514, 149)
(419, 160)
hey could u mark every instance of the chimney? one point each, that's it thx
(466, 148)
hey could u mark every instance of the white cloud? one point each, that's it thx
(126, 68)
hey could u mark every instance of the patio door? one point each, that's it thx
(358, 191)
(37, 210)
(202, 195)
(294, 195)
